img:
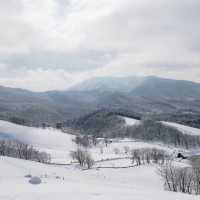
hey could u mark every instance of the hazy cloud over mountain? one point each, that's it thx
(51, 44)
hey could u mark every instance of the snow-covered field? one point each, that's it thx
(117, 148)
(59, 144)
(141, 183)
(69, 181)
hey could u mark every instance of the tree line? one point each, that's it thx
(17, 149)
(107, 124)
(150, 130)
(149, 155)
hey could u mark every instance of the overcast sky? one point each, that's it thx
(52, 44)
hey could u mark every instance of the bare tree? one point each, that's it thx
(195, 162)
(83, 141)
(184, 179)
(83, 157)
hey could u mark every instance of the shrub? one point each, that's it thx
(185, 179)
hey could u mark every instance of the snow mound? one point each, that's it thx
(35, 180)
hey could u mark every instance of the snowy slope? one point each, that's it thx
(59, 144)
(184, 129)
(55, 142)
(130, 121)
(141, 183)
(36, 136)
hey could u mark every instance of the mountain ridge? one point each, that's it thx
(149, 95)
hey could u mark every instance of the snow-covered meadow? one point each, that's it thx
(59, 182)
(112, 177)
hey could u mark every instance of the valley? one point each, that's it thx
(124, 140)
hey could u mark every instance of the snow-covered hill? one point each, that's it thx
(59, 144)
(45, 138)
(52, 141)
(130, 121)
(184, 129)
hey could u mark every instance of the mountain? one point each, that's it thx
(110, 84)
(168, 88)
(39, 107)
(142, 86)
(142, 95)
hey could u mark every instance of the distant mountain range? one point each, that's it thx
(142, 86)
(142, 95)
(109, 84)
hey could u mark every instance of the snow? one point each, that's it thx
(121, 144)
(59, 144)
(54, 142)
(184, 129)
(113, 176)
(130, 121)
(48, 138)
(141, 183)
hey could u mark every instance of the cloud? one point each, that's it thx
(84, 38)
(39, 79)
